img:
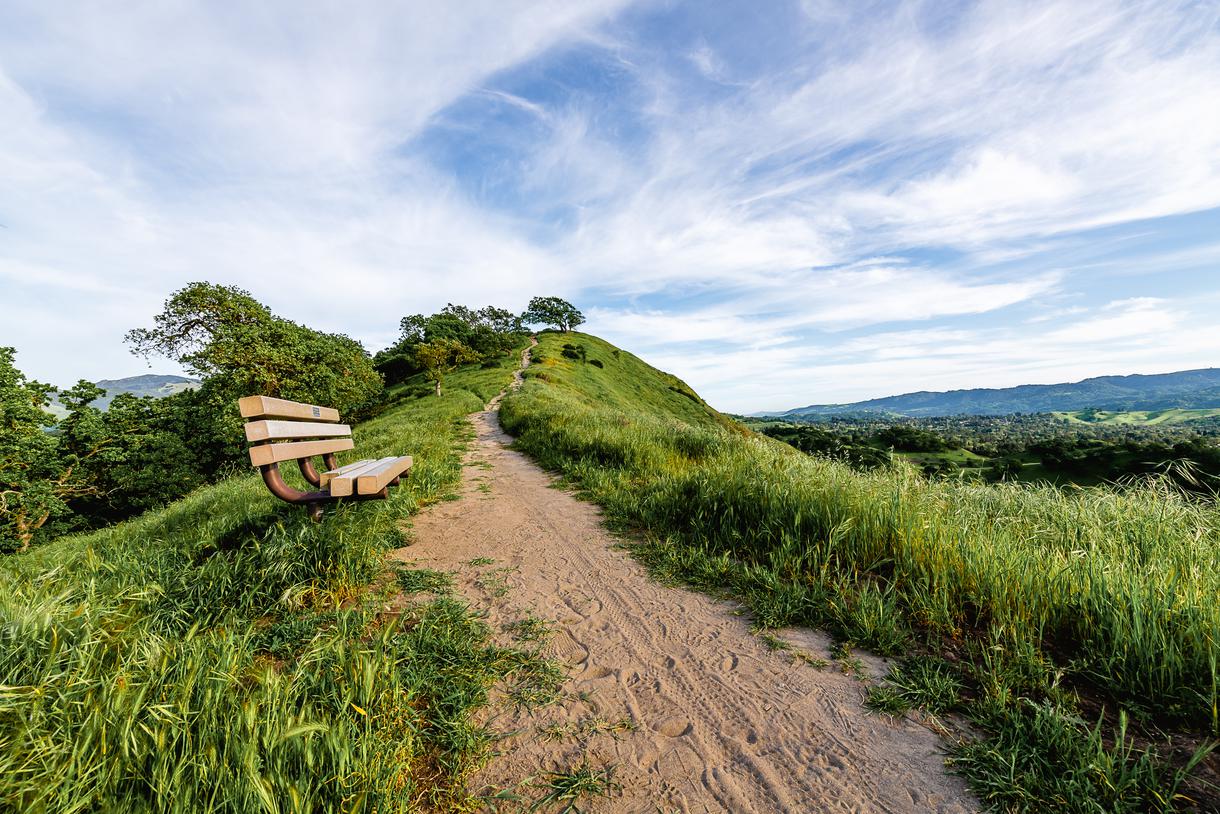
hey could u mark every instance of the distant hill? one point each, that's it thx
(148, 384)
(1187, 389)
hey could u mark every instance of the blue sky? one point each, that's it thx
(783, 202)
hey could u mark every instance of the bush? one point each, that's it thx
(35, 481)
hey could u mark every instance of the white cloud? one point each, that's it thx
(1138, 335)
(281, 89)
(774, 217)
(886, 294)
(146, 148)
(1135, 319)
(1011, 125)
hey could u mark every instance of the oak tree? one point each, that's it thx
(441, 356)
(553, 311)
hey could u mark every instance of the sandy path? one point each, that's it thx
(719, 722)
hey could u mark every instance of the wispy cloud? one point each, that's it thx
(158, 145)
(837, 200)
(1121, 336)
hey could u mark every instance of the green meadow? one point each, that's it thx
(226, 654)
(1137, 417)
(1078, 629)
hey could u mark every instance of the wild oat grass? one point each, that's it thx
(1117, 587)
(225, 654)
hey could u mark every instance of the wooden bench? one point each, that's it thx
(280, 430)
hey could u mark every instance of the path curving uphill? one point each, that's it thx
(669, 687)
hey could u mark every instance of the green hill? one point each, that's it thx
(998, 596)
(612, 378)
(149, 384)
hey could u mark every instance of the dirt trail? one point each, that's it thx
(717, 721)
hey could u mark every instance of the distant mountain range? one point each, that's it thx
(1189, 389)
(148, 384)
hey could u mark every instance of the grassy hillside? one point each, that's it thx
(624, 383)
(1039, 610)
(225, 654)
(1137, 417)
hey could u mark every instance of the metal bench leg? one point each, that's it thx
(308, 472)
(312, 501)
(275, 482)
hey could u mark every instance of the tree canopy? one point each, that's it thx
(36, 482)
(226, 336)
(140, 453)
(554, 312)
(487, 332)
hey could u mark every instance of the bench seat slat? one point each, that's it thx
(344, 485)
(267, 407)
(274, 453)
(329, 475)
(371, 481)
(279, 430)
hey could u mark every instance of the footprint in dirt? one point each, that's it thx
(583, 606)
(567, 649)
(676, 727)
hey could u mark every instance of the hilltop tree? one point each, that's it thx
(441, 356)
(554, 312)
(500, 320)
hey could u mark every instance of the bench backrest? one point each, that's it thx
(288, 423)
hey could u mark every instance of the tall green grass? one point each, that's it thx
(1114, 588)
(226, 654)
